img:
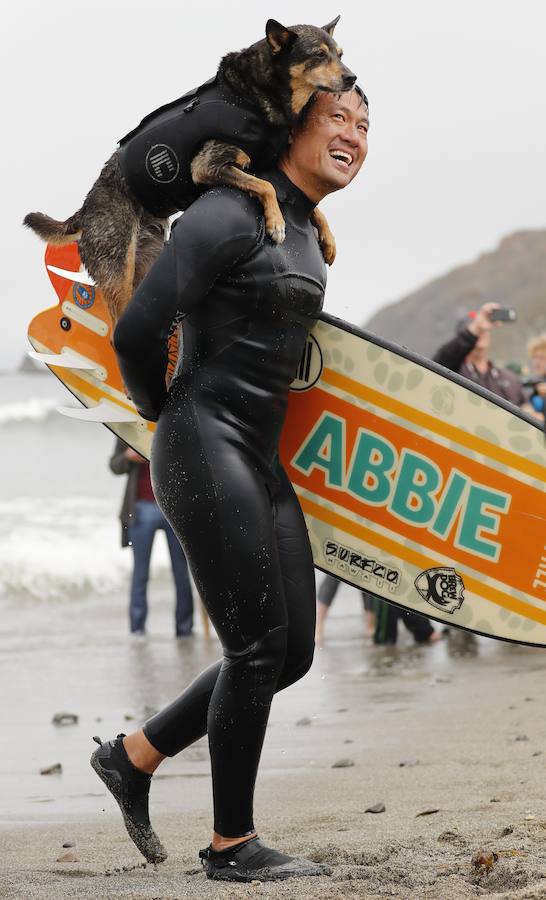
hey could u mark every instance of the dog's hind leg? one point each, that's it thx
(108, 247)
(327, 240)
(218, 163)
(152, 234)
(117, 286)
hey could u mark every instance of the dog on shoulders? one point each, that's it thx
(240, 117)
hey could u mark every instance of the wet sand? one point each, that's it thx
(466, 718)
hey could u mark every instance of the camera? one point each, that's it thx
(503, 314)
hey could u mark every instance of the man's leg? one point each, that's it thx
(141, 537)
(183, 615)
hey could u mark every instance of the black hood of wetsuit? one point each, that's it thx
(156, 156)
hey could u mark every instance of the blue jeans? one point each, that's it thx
(149, 519)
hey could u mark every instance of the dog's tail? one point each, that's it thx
(52, 231)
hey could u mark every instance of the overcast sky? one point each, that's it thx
(457, 139)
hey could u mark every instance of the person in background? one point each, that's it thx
(140, 518)
(387, 617)
(325, 598)
(381, 617)
(468, 354)
(536, 349)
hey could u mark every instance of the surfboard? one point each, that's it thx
(417, 485)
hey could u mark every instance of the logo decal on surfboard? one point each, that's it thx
(310, 367)
(442, 587)
(84, 296)
(362, 567)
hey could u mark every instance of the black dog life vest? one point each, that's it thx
(155, 157)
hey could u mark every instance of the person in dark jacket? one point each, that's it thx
(141, 518)
(468, 354)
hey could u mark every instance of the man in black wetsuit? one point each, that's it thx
(246, 307)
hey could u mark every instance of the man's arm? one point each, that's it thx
(213, 234)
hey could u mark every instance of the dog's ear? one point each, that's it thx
(278, 37)
(331, 25)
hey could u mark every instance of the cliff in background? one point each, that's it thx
(514, 274)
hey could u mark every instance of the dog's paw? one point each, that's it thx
(328, 248)
(277, 233)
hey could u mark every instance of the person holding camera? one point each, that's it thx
(468, 353)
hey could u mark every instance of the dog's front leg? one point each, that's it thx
(327, 240)
(218, 163)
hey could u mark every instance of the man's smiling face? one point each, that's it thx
(332, 144)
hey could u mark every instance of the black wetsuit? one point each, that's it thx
(247, 306)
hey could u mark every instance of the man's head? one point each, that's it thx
(329, 145)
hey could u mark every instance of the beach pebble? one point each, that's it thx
(377, 808)
(344, 763)
(504, 832)
(55, 769)
(65, 718)
(69, 844)
(348, 741)
(305, 721)
(343, 709)
(408, 763)
(427, 812)
(537, 753)
(128, 717)
(67, 857)
(449, 837)
(494, 800)
(521, 737)
(484, 860)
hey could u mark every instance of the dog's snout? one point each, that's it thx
(349, 78)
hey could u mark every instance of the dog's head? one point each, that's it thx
(310, 59)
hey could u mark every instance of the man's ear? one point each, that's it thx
(278, 37)
(331, 25)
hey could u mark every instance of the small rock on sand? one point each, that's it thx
(65, 718)
(55, 769)
(68, 857)
(521, 737)
(69, 844)
(376, 808)
(408, 763)
(304, 721)
(344, 763)
(484, 860)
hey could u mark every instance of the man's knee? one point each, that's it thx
(265, 657)
(297, 664)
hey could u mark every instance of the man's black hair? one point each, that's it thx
(307, 108)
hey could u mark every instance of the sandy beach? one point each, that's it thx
(449, 738)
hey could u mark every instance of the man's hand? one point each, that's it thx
(481, 321)
(133, 456)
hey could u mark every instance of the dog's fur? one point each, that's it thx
(119, 240)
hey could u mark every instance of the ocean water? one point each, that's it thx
(59, 502)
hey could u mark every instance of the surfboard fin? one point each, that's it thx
(82, 277)
(103, 412)
(66, 360)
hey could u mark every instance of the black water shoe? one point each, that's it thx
(130, 787)
(253, 861)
